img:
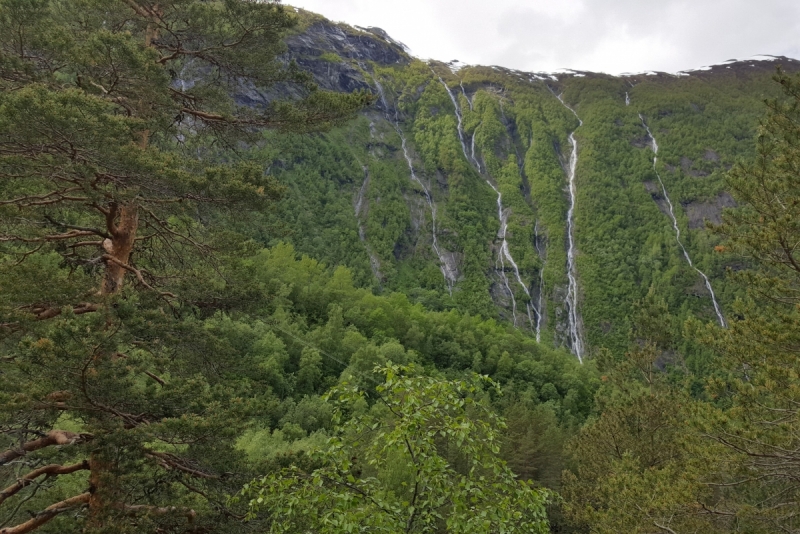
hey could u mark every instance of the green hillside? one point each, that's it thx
(260, 272)
(517, 130)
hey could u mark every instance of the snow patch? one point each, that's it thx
(456, 66)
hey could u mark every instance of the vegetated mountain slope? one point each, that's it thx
(454, 188)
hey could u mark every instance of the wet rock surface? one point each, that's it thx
(334, 55)
(655, 193)
(331, 54)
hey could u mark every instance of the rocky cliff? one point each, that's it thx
(550, 201)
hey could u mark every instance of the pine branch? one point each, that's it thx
(159, 510)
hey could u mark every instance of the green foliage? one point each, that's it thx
(709, 453)
(107, 108)
(272, 270)
(625, 240)
(425, 457)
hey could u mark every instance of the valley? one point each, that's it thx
(265, 272)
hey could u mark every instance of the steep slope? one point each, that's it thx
(481, 189)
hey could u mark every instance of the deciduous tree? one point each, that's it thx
(423, 459)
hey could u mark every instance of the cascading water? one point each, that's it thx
(459, 119)
(374, 263)
(474, 159)
(449, 273)
(539, 308)
(627, 99)
(464, 92)
(505, 253)
(654, 146)
(572, 272)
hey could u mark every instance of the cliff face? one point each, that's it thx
(531, 197)
(333, 53)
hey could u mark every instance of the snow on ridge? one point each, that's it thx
(456, 65)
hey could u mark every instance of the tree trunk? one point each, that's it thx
(119, 246)
(100, 489)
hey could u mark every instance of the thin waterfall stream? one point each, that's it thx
(572, 271)
(540, 306)
(449, 273)
(374, 262)
(504, 254)
(654, 146)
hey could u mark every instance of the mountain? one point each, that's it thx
(549, 201)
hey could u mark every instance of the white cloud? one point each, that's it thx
(598, 35)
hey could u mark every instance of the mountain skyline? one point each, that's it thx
(613, 37)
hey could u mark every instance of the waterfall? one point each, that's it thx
(448, 272)
(474, 159)
(654, 146)
(504, 254)
(464, 92)
(572, 271)
(460, 120)
(374, 263)
(627, 99)
(540, 306)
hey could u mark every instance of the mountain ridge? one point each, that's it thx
(378, 33)
(453, 187)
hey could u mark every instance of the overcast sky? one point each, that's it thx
(612, 36)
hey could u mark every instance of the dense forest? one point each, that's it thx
(260, 272)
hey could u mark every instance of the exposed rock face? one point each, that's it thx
(711, 211)
(688, 167)
(332, 54)
(657, 196)
(644, 141)
(317, 48)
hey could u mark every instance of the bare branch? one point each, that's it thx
(49, 470)
(170, 461)
(44, 311)
(156, 378)
(139, 275)
(47, 514)
(54, 437)
(665, 529)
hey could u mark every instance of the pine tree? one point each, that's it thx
(637, 466)
(757, 393)
(119, 121)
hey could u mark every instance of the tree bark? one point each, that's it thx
(99, 471)
(47, 514)
(49, 470)
(54, 437)
(120, 245)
